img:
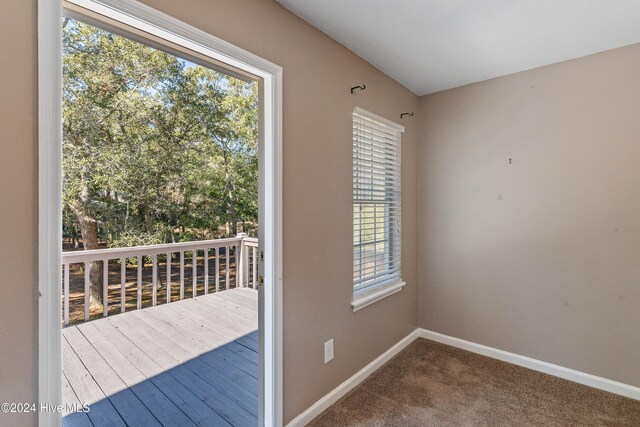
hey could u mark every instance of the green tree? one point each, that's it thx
(155, 149)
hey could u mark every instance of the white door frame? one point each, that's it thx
(140, 16)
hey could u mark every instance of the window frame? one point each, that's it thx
(364, 296)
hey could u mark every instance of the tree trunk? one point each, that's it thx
(148, 219)
(230, 189)
(89, 231)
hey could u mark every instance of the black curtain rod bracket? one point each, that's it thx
(406, 114)
(363, 87)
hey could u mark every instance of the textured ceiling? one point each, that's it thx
(432, 45)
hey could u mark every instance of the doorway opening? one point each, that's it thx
(166, 308)
(160, 245)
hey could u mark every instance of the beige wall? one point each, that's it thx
(318, 263)
(539, 257)
(18, 216)
(318, 73)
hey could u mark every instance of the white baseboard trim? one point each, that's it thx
(537, 365)
(516, 359)
(332, 397)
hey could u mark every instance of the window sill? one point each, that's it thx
(375, 296)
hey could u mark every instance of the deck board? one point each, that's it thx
(190, 362)
(123, 399)
(243, 351)
(239, 362)
(86, 388)
(229, 409)
(248, 342)
(230, 308)
(150, 395)
(72, 418)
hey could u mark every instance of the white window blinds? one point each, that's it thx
(376, 202)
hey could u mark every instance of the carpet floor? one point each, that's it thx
(431, 384)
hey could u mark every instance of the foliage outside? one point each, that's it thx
(155, 149)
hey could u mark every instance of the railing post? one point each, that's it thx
(123, 284)
(245, 263)
(240, 260)
(105, 287)
(154, 280)
(87, 282)
(139, 294)
(216, 252)
(66, 294)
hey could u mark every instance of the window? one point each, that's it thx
(376, 208)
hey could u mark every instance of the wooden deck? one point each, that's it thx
(192, 362)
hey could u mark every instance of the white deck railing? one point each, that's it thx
(245, 254)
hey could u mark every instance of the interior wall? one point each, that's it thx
(18, 207)
(317, 180)
(529, 213)
(317, 174)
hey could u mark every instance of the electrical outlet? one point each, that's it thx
(328, 351)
